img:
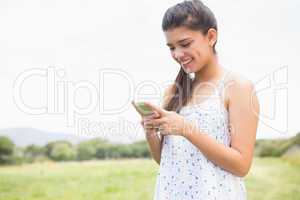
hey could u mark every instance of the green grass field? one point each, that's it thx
(269, 179)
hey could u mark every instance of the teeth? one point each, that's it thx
(186, 62)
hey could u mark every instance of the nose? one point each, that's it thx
(178, 54)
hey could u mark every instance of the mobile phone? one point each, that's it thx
(142, 108)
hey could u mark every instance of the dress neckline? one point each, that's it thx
(217, 92)
(201, 104)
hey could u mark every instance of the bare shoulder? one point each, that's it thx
(235, 81)
(237, 87)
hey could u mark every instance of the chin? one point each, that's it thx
(189, 69)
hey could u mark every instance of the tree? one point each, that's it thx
(49, 147)
(88, 150)
(33, 152)
(62, 152)
(6, 150)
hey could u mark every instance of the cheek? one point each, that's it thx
(201, 53)
(197, 54)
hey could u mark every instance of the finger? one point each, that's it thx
(154, 115)
(157, 122)
(148, 126)
(162, 131)
(159, 110)
(146, 122)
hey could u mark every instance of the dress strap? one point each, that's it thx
(221, 84)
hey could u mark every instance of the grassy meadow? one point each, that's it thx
(269, 179)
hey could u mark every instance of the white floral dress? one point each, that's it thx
(184, 172)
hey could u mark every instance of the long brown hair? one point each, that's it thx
(181, 91)
(195, 16)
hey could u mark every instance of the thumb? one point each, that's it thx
(156, 109)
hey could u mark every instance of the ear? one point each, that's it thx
(212, 36)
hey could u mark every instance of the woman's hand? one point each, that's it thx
(148, 127)
(169, 122)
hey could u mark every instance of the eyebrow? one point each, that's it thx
(168, 44)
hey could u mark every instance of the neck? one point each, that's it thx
(210, 71)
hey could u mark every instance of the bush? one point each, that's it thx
(276, 147)
(49, 147)
(88, 150)
(140, 150)
(101, 152)
(6, 150)
(14, 160)
(292, 158)
(62, 152)
(268, 150)
(296, 139)
(33, 153)
(135, 150)
(108, 151)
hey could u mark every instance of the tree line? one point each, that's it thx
(65, 151)
(100, 149)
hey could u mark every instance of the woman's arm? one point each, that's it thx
(243, 109)
(155, 145)
(155, 141)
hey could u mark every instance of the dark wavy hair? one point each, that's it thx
(196, 16)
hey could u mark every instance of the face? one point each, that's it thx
(191, 49)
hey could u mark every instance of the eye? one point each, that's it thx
(186, 44)
(171, 48)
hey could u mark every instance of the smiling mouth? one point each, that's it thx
(186, 62)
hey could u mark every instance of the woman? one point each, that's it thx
(204, 136)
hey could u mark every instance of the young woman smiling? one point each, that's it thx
(203, 137)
